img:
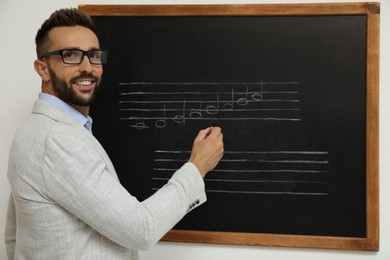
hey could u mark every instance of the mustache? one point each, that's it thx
(86, 76)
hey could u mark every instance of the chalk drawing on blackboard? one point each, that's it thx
(140, 125)
(161, 123)
(145, 104)
(255, 172)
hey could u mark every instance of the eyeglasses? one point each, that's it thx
(76, 56)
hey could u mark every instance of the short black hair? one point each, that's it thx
(60, 18)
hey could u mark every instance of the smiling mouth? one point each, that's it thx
(85, 84)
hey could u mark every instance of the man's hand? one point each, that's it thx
(207, 149)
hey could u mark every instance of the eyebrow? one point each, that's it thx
(77, 48)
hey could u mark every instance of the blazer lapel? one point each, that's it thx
(51, 111)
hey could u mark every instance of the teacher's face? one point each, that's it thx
(74, 84)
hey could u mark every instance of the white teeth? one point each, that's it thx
(84, 82)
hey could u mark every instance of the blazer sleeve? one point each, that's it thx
(10, 229)
(77, 178)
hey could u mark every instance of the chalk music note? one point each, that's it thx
(181, 118)
(141, 124)
(211, 109)
(244, 100)
(229, 105)
(161, 123)
(258, 96)
(196, 113)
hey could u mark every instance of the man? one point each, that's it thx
(66, 200)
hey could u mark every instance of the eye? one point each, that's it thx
(71, 54)
(94, 54)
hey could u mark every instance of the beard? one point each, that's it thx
(67, 93)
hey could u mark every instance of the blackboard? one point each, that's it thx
(294, 89)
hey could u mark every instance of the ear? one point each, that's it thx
(42, 70)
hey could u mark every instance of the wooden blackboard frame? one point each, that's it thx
(372, 11)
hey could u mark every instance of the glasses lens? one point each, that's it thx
(98, 56)
(72, 56)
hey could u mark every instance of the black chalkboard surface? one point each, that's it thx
(288, 91)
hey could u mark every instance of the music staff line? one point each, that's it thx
(264, 192)
(251, 160)
(244, 97)
(261, 181)
(205, 110)
(198, 114)
(322, 153)
(277, 181)
(252, 152)
(204, 102)
(195, 114)
(162, 123)
(254, 97)
(206, 93)
(261, 83)
(251, 181)
(249, 171)
(270, 192)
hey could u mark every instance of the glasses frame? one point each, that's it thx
(84, 53)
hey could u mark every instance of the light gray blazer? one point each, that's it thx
(66, 200)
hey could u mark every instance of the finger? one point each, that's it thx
(203, 134)
(216, 131)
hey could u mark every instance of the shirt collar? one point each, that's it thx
(68, 109)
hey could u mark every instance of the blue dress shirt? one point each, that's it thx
(68, 109)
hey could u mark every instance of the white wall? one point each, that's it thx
(19, 21)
